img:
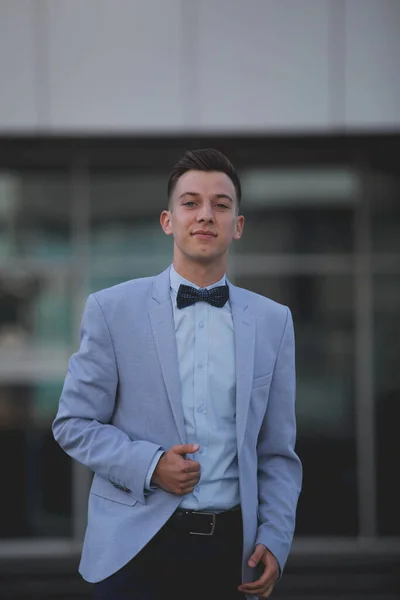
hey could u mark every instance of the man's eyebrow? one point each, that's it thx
(195, 194)
(224, 196)
(188, 194)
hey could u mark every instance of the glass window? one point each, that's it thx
(297, 231)
(36, 333)
(387, 394)
(322, 308)
(126, 239)
(300, 211)
(35, 319)
(38, 474)
(35, 215)
(384, 191)
(59, 242)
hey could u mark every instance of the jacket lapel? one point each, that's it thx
(245, 332)
(162, 323)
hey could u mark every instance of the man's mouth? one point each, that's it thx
(203, 233)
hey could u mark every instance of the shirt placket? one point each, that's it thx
(200, 391)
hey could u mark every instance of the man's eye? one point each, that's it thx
(222, 206)
(189, 203)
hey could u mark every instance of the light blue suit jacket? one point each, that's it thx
(121, 402)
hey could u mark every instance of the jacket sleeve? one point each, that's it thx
(279, 467)
(82, 424)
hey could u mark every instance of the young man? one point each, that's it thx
(181, 400)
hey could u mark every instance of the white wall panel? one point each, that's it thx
(372, 81)
(216, 65)
(18, 101)
(261, 65)
(114, 65)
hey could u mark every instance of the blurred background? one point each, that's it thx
(98, 99)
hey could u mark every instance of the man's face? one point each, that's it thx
(203, 217)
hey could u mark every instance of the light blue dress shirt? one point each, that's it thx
(206, 353)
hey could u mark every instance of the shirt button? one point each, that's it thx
(201, 365)
(201, 324)
(201, 408)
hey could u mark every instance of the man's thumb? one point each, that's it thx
(256, 556)
(185, 448)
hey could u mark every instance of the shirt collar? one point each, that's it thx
(176, 280)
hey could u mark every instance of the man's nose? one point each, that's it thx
(205, 214)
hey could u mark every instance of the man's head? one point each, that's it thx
(206, 160)
(204, 194)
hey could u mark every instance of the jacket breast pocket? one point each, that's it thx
(259, 399)
(104, 489)
(259, 382)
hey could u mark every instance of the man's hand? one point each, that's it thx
(265, 584)
(175, 473)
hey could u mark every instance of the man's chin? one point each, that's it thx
(204, 258)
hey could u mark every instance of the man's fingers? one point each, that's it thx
(267, 593)
(186, 488)
(191, 466)
(190, 481)
(186, 491)
(185, 448)
(262, 587)
(257, 588)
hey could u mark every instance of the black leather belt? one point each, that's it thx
(204, 522)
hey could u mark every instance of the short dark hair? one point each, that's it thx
(204, 159)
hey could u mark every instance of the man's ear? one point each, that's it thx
(238, 227)
(165, 220)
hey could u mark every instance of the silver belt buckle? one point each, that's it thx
(212, 524)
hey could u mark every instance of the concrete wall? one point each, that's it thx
(144, 66)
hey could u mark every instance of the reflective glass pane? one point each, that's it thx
(125, 209)
(305, 210)
(35, 321)
(37, 472)
(384, 190)
(322, 308)
(35, 215)
(35, 336)
(297, 231)
(387, 395)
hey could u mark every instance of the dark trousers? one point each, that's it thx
(178, 564)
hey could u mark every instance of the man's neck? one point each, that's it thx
(199, 275)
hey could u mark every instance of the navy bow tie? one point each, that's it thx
(188, 295)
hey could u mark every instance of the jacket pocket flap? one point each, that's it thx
(105, 489)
